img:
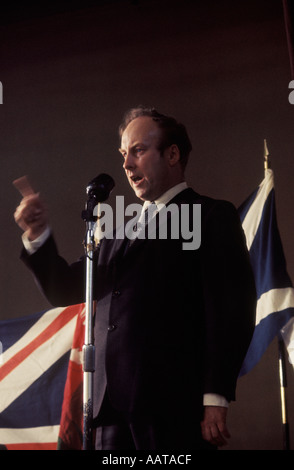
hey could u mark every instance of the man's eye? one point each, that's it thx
(139, 150)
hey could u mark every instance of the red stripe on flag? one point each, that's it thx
(32, 446)
(63, 318)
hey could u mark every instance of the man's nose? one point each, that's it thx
(129, 162)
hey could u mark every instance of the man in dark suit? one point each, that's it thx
(172, 325)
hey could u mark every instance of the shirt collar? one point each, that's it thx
(168, 195)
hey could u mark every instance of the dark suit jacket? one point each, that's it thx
(170, 324)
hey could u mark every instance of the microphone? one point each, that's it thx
(98, 190)
(100, 187)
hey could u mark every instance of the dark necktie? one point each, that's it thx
(143, 221)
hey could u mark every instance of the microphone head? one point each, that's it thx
(100, 187)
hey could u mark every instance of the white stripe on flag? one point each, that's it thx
(252, 219)
(31, 368)
(45, 434)
(287, 333)
(274, 300)
(76, 356)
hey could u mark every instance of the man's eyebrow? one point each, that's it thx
(136, 144)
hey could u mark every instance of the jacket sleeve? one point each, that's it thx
(229, 296)
(61, 283)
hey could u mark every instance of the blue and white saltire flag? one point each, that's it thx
(34, 359)
(275, 293)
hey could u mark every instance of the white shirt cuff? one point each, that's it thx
(213, 399)
(32, 246)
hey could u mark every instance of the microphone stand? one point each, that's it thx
(98, 191)
(88, 352)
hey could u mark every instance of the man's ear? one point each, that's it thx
(174, 155)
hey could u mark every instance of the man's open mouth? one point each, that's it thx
(137, 179)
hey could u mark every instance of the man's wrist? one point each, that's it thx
(213, 399)
(32, 246)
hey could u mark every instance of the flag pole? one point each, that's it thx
(282, 362)
(283, 386)
(266, 157)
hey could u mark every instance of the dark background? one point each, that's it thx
(69, 72)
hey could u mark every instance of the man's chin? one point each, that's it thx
(142, 197)
(141, 194)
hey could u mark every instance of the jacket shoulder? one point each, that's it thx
(209, 205)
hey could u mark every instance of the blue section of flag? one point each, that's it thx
(269, 267)
(41, 403)
(266, 252)
(264, 334)
(13, 329)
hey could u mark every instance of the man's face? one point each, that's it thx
(146, 169)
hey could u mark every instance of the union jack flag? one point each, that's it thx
(38, 352)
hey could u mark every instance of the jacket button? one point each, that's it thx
(111, 327)
(116, 293)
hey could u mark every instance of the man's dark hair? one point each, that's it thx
(173, 132)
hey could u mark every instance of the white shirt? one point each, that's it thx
(209, 399)
(168, 195)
